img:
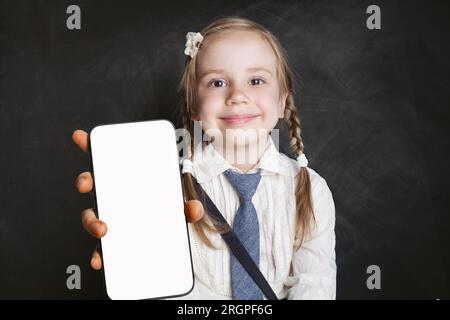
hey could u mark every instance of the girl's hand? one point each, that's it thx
(193, 209)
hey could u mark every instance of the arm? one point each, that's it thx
(314, 264)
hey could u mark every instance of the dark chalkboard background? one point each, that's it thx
(374, 107)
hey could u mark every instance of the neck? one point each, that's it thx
(244, 157)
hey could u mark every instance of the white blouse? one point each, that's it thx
(308, 273)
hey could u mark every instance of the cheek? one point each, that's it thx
(208, 110)
(269, 104)
(210, 106)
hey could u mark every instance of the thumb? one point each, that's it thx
(193, 209)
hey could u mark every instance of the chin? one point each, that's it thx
(241, 137)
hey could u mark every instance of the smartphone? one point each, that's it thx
(138, 194)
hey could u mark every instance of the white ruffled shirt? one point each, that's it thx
(308, 273)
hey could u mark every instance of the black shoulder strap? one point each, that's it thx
(235, 244)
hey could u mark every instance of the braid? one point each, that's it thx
(304, 207)
(205, 223)
(293, 123)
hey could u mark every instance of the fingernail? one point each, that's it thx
(96, 228)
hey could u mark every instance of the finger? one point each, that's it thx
(96, 260)
(193, 209)
(93, 225)
(84, 182)
(81, 139)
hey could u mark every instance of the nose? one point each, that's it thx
(236, 96)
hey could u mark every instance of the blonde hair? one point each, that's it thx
(304, 208)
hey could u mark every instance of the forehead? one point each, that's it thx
(236, 50)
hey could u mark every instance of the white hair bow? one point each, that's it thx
(302, 161)
(193, 41)
(188, 166)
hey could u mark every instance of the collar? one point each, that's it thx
(209, 163)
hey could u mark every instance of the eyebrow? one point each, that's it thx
(248, 69)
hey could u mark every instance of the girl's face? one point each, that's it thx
(237, 85)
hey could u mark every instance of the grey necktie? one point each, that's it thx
(246, 227)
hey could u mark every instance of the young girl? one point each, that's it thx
(237, 80)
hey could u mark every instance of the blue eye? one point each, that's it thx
(257, 81)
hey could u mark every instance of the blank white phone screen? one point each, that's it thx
(146, 252)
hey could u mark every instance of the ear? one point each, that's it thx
(282, 104)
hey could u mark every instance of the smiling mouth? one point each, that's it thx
(239, 119)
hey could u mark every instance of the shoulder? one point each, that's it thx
(318, 183)
(320, 191)
(323, 203)
(319, 186)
